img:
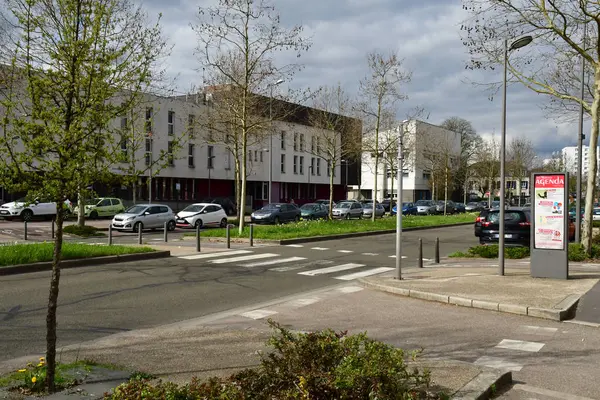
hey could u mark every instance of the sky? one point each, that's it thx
(424, 33)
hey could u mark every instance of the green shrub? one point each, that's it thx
(83, 231)
(491, 251)
(319, 365)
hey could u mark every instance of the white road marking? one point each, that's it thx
(243, 258)
(294, 245)
(330, 270)
(303, 302)
(370, 254)
(538, 330)
(320, 248)
(500, 363)
(300, 266)
(345, 251)
(548, 393)
(39, 231)
(362, 274)
(258, 314)
(510, 344)
(213, 255)
(271, 262)
(350, 289)
(427, 259)
(394, 256)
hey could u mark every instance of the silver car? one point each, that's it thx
(145, 216)
(368, 210)
(347, 210)
(425, 207)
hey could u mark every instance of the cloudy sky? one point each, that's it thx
(425, 33)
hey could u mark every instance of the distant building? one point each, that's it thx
(569, 158)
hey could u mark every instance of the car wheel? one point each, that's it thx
(347, 216)
(276, 220)
(198, 223)
(171, 226)
(360, 216)
(137, 226)
(93, 215)
(296, 219)
(223, 223)
(27, 215)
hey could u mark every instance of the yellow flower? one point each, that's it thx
(42, 359)
(33, 379)
(22, 370)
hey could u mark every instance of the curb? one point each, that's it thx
(485, 385)
(331, 237)
(82, 262)
(566, 311)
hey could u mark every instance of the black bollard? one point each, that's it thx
(420, 253)
(437, 250)
(198, 238)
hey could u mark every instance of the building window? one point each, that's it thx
(149, 113)
(250, 155)
(295, 141)
(211, 156)
(282, 140)
(265, 191)
(524, 185)
(171, 122)
(191, 151)
(192, 126)
(123, 155)
(318, 167)
(312, 166)
(318, 146)
(296, 165)
(283, 163)
(404, 174)
(170, 158)
(427, 175)
(261, 156)
(148, 154)
(302, 142)
(301, 165)
(312, 144)
(255, 155)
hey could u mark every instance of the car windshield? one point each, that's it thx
(406, 204)
(367, 205)
(193, 208)
(92, 202)
(271, 207)
(472, 204)
(343, 205)
(136, 209)
(423, 203)
(309, 207)
(509, 216)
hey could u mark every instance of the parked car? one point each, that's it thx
(572, 212)
(407, 209)
(324, 202)
(101, 207)
(480, 219)
(276, 213)
(596, 214)
(473, 206)
(460, 207)
(425, 207)
(368, 210)
(347, 210)
(226, 203)
(27, 210)
(517, 227)
(314, 211)
(388, 204)
(200, 215)
(145, 216)
(449, 206)
(527, 205)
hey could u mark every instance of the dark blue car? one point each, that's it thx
(407, 209)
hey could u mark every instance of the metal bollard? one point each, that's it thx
(420, 253)
(52, 228)
(251, 235)
(25, 233)
(110, 235)
(140, 234)
(198, 238)
(165, 232)
(228, 236)
(437, 250)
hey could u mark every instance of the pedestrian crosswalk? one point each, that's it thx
(286, 263)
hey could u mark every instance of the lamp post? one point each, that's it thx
(271, 86)
(580, 138)
(517, 44)
(399, 211)
(210, 167)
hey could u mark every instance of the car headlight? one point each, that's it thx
(129, 218)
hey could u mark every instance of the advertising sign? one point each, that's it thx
(550, 214)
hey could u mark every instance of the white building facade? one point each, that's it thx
(569, 158)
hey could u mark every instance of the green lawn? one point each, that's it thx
(324, 228)
(38, 252)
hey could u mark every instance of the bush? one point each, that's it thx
(491, 251)
(319, 365)
(83, 231)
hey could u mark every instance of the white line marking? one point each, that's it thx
(243, 258)
(427, 259)
(350, 289)
(394, 256)
(370, 254)
(548, 393)
(345, 251)
(294, 245)
(330, 270)
(585, 323)
(258, 314)
(494, 362)
(538, 330)
(362, 274)
(303, 302)
(320, 248)
(510, 344)
(300, 266)
(212, 255)
(271, 262)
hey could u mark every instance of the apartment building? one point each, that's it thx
(569, 158)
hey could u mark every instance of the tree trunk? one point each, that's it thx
(53, 302)
(330, 212)
(238, 189)
(586, 233)
(490, 191)
(519, 191)
(432, 187)
(134, 189)
(244, 178)
(445, 189)
(376, 174)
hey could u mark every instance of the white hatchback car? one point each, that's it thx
(202, 214)
(25, 210)
(145, 216)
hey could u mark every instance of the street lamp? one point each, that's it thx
(580, 150)
(210, 167)
(399, 202)
(271, 86)
(517, 44)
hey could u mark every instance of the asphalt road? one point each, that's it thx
(98, 301)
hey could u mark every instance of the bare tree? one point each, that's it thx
(380, 92)
(558, 30)
(520, 157)
(237, 40)
(486, 167)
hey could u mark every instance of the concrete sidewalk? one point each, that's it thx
(465, 284)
